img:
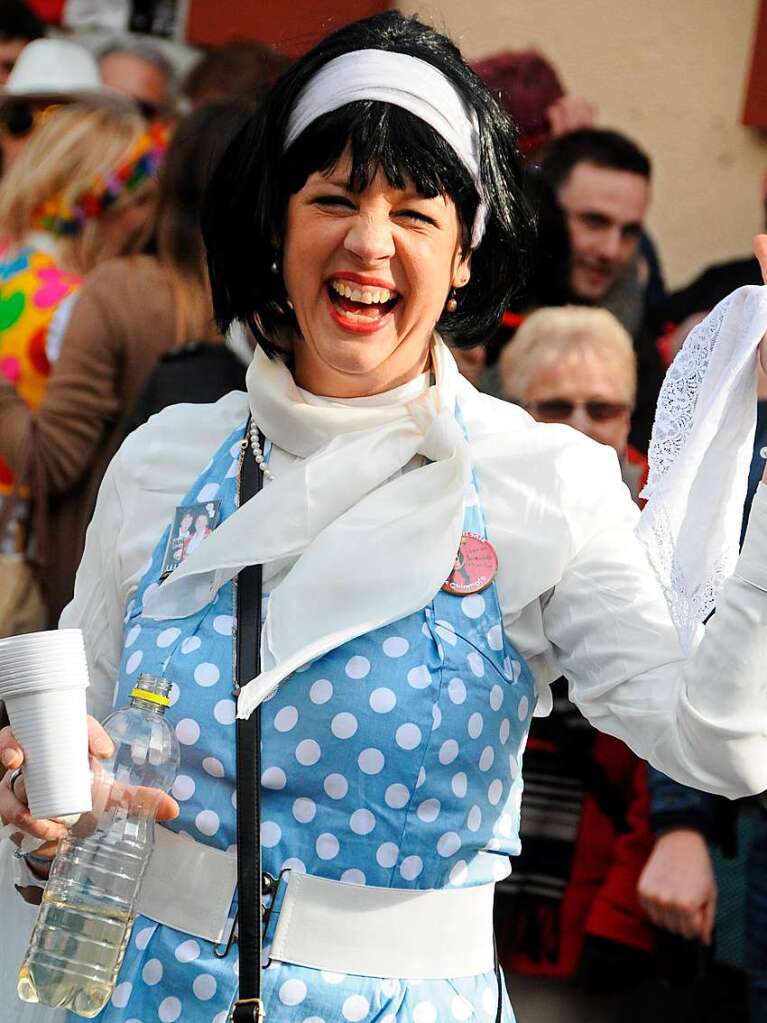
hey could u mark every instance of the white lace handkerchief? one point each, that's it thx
(700, 452)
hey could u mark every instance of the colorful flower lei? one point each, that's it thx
(67, 219)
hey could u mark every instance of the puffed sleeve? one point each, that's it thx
(701, 719)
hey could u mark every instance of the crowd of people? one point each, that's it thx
(629, 895)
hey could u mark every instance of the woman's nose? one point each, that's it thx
(370, 238)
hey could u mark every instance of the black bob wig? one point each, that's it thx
(244, 210)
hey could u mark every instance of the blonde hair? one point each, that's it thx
(553, 333)
(62, 158)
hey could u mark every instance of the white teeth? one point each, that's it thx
(366, 296)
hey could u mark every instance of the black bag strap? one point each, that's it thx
(248, 1007)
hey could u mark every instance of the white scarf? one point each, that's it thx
(343, 505)
(701, 448)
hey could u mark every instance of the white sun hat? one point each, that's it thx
(57, 69)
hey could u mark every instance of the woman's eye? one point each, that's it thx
(339, 201)
(416, 215)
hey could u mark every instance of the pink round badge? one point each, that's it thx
(476, 565)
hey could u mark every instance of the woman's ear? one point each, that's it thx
(461, 271)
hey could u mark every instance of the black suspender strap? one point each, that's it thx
(248, 1007)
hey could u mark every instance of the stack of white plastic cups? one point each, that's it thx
(43, 678)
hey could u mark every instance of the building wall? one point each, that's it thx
(670, 74)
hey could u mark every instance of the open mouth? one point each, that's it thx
(360, 304)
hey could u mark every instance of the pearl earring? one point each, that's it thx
(274, 267)
(452, 303)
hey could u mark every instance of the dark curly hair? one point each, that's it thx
(244, 211)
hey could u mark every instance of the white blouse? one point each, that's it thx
(577, 594)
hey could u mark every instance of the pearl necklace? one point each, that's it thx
(258, 454)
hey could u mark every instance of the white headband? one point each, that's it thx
(407, 82)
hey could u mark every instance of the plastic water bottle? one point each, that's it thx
(85, 919)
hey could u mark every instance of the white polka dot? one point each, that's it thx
(449, 843)
(292, 992)
(167, 637)
(204, 986)
(448, 751)
(436, 718)
(143, 936)
(396, 796)
(271, 833)
(308, 752)
(207, 822)
(395, 646)
(495, 638)
(149, 591)
(476, 664)
(208, 491)
(390, 987)
(513, 765)
(456, 690)
(407, 736)
(362, 822)
(459, 873)
(214, 767)
(411, 867)
(382, 700)
(490, 1000)
(355, 1008)
(273, 778)
(173, 695)
(225, 712)
(386, 854)
(353, 876)
(332, 978)
(183, 787)
(236, 449)
(222, 624)
(133, 661)
(187, 731)
(504, 731)
(304, 810)
(496, 697)
(357, 667)
(187, 951)
(473, 606)
(191, 644)
(336, 786)
(321, 691)
(133, 635)
(486, 758)
(424, 1012)
(513, 669)
(223, 1017)
(421, 778)
(460, 784)
(419, 677)
(371, 761)
(343, 726)
(285, 719)
(206, 674)
(475, 726)
(446, 632)
(494, 792)
(474, 819)
(523, 708)
(121, 994)
(169, 1010)
(152, 972)
(428, 810)
(461, 1009)
(327, 846)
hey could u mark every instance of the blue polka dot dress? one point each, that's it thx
(393, 760)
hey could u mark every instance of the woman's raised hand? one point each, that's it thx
(13, 801)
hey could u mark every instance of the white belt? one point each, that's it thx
(324, 924)
(433, 934)
(188, 886)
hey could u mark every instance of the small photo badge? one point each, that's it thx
(191, 524)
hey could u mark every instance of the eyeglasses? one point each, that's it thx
(559, 410)
(18, 119)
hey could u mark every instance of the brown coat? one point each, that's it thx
(122, 322)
